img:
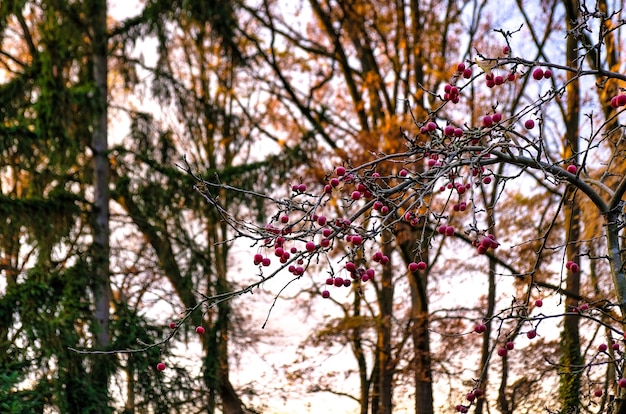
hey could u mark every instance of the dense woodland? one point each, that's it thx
(418, 206)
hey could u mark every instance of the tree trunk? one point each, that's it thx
(386, 367)
(101, 174)
(483, 374)
(407, 238)
(570, 378)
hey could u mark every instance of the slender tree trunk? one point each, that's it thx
(385, 367)
(408, 238)
(483, 374)
(571, 359)
(422, 371)
(100, 251)
(359, 354)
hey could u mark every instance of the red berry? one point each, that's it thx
(413, 267)
(467, 73)
(199, 330)
(173, 325)
(284, 219)
(421, 265)
(538, 73)
(487, 121)
(384, 260)
(621, 100)
(310, 246)
(615, 346)
(497, 117)
(448, 130)
(302, 188)
(321, 220)
(547, 73)
(510, 345)
(480, 328)
(356, 195)
(330, 281)
(458, 132)
(621, 383)
(357, 240)
(498, 80)
(325, 294)
(334, 182)
(538, 303)
(160, 366)
(502, 352)
(602, 347)
(449, 231)
(531, 334)
(341, 171)
(572, 169)
(614, 102)
(511, 77)
(403, 173)
(258, 258)
(470, 396)
(266, 261)
(506, 50)
(487, 180)
(574, 268)
(325, 243)
(460, 67)
(529, 124)
(597, 393)
(338, 281)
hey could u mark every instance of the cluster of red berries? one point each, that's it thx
(471, 397)
(492, 80)
(463, 71)
(450, 131)
(572, 266)
(539, 74)
(486, 242)
(451, 93)
(356, 274)
(489, 120)
(414, 267)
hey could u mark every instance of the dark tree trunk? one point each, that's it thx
(97, 10)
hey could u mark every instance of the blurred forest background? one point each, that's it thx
(104, 240)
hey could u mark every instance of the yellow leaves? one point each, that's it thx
(485, 64)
